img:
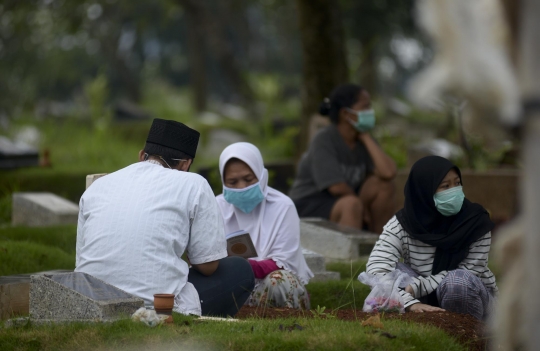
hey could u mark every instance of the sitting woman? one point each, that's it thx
(444, 241)
(249, 204)
(345, 176)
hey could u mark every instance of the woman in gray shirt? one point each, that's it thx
(345, 176)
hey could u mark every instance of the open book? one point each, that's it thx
(239, 244)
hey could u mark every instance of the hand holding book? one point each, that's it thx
(239, 244)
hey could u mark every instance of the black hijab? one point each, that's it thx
(420, 218)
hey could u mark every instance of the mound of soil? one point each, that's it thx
(465, 328)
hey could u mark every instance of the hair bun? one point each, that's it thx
(324, 109)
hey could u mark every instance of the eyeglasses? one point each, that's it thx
(146, 156)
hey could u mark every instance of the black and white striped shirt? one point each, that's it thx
(395, 243)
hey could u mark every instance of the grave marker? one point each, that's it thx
(335, 242)
(93, 177)
(317, 263)
(14, 293)
(78, 297)
(42, 209)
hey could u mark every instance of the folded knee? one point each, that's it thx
(351, 202)
(460, 277)
(388, 186)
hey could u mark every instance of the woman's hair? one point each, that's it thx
(344, 95)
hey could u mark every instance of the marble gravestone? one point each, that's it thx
(335, 242)
(90, 178)
(317, 264)
(78, 297)
(42, 209)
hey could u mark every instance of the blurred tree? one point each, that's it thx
(50, 49)
(196, 44)
(324, 60)
(208, 24)
(371, 25)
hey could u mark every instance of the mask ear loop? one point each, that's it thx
(146, 156)
(162, 159)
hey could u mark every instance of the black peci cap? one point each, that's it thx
(174, 135)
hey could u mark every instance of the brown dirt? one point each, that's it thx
(466, 329)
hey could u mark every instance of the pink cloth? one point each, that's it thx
(262, 268)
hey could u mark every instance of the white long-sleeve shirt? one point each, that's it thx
(135, 224)
(395, 243)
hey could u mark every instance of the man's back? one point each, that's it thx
(135, 224)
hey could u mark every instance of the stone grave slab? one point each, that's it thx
(42, 209)
(317, 263)
(90, 178)
(335, 242)
(72, 297)
(15, 293)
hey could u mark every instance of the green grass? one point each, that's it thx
(28, 250)
(338, 294)
(62, 237)
(347, 270)
(251, 334)
(347, 292)
(18, 257)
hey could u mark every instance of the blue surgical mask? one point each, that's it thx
(365, 121)
(449, 202)
(245, 199)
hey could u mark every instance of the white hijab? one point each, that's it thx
(273, 225)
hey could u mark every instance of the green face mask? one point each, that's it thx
(449, 202)
(365, 121)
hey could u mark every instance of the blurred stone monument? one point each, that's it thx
(93, 177)
(42, 209)
(17, 154)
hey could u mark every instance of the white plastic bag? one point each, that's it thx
(148, 317)
(384, 295)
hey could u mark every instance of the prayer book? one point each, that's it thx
(239, 244)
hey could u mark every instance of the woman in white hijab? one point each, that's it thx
(270, 217)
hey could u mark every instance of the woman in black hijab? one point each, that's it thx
(444, 241)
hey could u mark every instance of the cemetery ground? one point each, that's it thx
(334, 323)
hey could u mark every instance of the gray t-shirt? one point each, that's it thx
(328, 161)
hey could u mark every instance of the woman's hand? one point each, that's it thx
(420, 307)
(410, 290)
(385, 167)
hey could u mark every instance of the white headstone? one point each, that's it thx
(335, 242)
(43, 209)
(93, 177)
(317, 263)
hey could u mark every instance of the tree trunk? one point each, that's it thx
(207, 26)
(368, 66)
(324, 60)
(225, 54)
(196, 53)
